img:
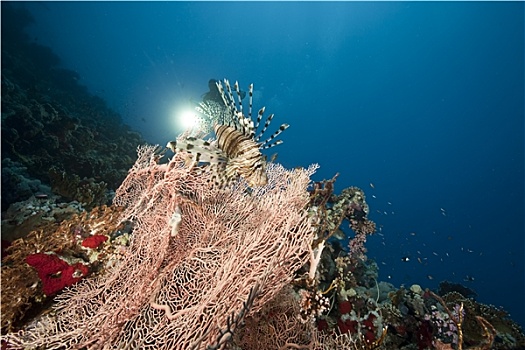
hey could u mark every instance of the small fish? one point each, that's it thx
(405, 259)
(468, 278)
(430, 277)
(339, 234)
(412, 233)
(389, 203)
(372, 185)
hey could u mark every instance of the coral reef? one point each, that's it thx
(16, 178)
(421, 317)
(446, 287)
(196, 255)
(330, 210)
(224, 268)
(275, 326)
(35, 212)
(50, 121)
(53, 256)
(180, 263)
(86, 191)
(365, 314)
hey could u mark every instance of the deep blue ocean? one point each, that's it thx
(419, 104)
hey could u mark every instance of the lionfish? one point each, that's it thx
(236, 151)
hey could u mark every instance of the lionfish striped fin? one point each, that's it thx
(276, 143)
(241, 123)
(219, 175)
(202, 150)
(229, 101)
(268, 143)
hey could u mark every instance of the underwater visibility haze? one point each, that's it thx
(419, 104)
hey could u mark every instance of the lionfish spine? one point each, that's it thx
(266, 124)
(267, 144)
(228, 103)
(227, 97)
(250, 93)
(239, 98)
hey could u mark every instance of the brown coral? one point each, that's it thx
(21, 287)
(70, 186)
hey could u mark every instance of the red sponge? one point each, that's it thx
(55, 273)
(94, 241)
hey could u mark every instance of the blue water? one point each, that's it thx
(422, 101)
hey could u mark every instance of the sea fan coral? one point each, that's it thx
(177, 289)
